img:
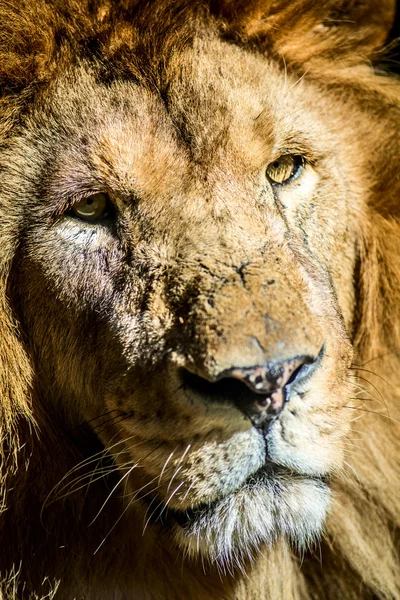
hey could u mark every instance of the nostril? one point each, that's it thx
(259, 407)
(295, 375)
(224, 390)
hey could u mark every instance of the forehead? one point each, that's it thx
(214, 106)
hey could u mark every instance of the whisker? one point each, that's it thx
(147, 511)
(163, 509)
(349, 466)
(384, 355)
(184, 454)
(173, 477)
(112, 491)
(360, 399)
(299, 79)
(112, 422)
(372, 385)
(360, 431)
(372, 412)
(362, 390)
(95, 458)
(372, 373)
(112, 528)
(89, 476)
(120, 481)
(165, 464)
(189, 488)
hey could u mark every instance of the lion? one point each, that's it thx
(200, 291)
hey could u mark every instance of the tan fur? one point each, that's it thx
(175, 110)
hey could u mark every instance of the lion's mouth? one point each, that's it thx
(271, 476)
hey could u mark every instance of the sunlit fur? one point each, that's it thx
(175, 109)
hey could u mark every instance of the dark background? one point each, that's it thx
(394, 63)
(396, 28)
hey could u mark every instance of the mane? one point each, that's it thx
(360, 547)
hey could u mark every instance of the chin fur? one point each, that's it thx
(231, 530)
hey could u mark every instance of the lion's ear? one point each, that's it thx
(302, 30)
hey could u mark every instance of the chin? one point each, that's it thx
(271, 503)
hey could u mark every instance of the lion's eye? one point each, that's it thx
(91, 208)
(284, 169)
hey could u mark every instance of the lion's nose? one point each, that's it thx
(260, 392)
(268, 383)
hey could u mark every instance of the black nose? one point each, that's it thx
(268, 383)
(260, 392)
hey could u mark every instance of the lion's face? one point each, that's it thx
(181, 290)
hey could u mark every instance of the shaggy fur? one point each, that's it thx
(126, 472)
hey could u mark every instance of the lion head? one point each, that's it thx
(198, 207)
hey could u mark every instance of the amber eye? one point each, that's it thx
(91, 208)
(284, 169)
